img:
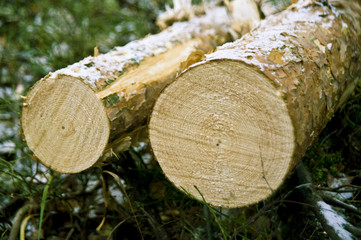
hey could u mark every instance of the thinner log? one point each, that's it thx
(235, 124)
(334, 224)
(74, 116)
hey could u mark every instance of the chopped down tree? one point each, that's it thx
(79, 115)
(231, 128)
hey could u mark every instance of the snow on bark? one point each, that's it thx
(303, 62)
(74, 115)
(96, 70)
(335, 220)
(310, 52)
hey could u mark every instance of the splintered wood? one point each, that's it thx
(232, 127)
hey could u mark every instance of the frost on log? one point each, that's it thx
(77, 115)
(233, 126)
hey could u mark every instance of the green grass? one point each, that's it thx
(43, 202)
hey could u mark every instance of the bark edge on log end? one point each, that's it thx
(224, 128)
(65, 124)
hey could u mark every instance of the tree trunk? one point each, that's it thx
(71, 117)
(235, 124)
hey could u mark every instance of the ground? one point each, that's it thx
(131, 198)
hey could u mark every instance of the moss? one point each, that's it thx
(111, 100)
(108, 82)
(345, 30)
(89, 64)
(135, 61)
(174, 42)
(324, 162)
(122, 72)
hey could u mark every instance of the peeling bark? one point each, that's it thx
(236, 123)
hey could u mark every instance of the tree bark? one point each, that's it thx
(73, 116)
(332, 222)
(235, 124)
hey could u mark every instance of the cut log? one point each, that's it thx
(235, 124)
(72, 117)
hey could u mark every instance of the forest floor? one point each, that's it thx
(131, 198)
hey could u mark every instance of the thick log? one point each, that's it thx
(72, 117)
(235, 124)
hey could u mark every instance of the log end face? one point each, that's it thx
(224, 128)
(65, 124)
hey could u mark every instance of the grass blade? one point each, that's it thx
(203, 201)
(119, 182)
(43, 202)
